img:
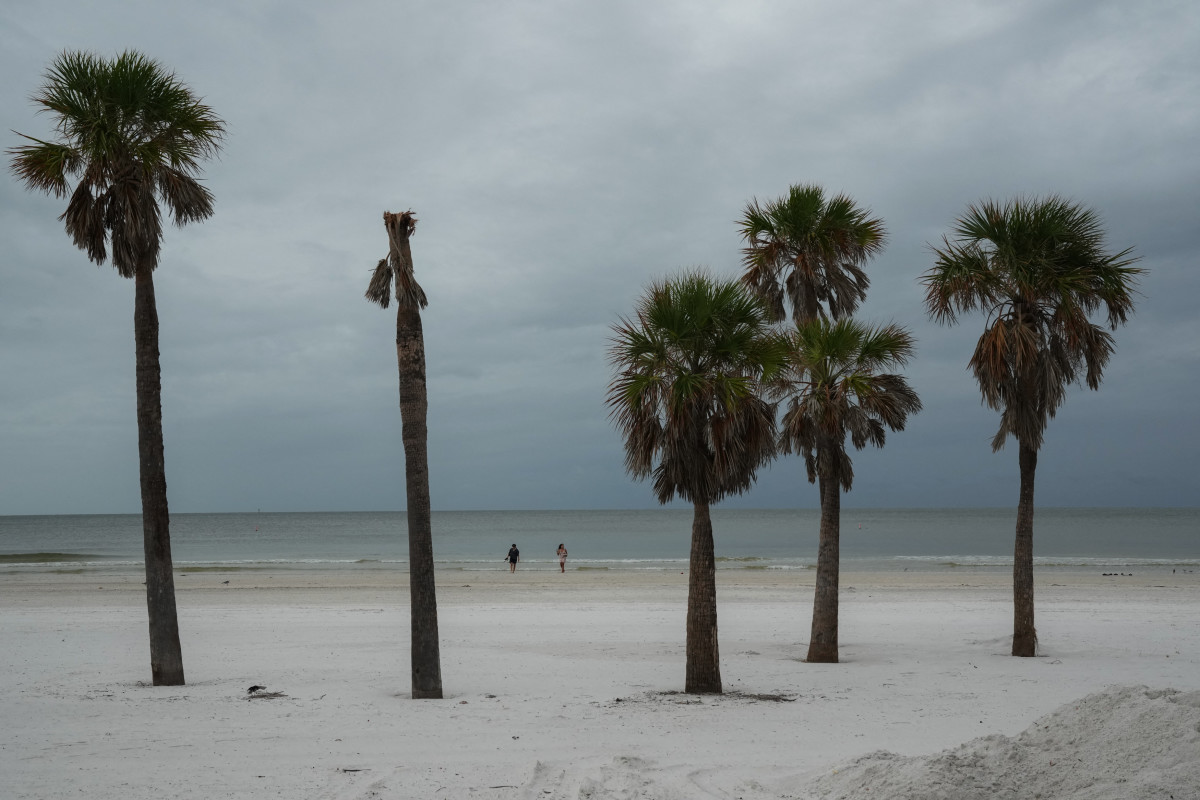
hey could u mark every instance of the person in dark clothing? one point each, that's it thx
(514, 555)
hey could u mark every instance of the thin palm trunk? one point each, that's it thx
(703, 658)
(823, 642)
(166, 656)
(812, 309)
(1024, 633)
(414, 407)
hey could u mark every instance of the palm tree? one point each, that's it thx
(1037, 268)
(397, 269)
(812, 250)
(685, 397)
(835, 388)
(134, 136)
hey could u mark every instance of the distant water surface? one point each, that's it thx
(923, 539)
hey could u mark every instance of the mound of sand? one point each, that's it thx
(1125, 742)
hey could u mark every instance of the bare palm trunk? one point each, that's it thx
(823, 642)
(812, 309)
(414, 406)
(1024, 633)
(166, 656)
(703, 659)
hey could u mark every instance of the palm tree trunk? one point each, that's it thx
(823, 642)
(703, 659)
(812, 309)
(414, 406)
(166, 656)
(1024, 633)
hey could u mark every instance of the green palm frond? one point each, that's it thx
(44, 166)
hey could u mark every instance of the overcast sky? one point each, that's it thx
(559, 157)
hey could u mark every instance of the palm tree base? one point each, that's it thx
(1025, 646)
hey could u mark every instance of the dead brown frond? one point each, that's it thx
(408, 291)
(379, 290)
(398, 265)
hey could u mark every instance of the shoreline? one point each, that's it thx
(225, 585)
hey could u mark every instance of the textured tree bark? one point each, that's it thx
(414, 406)
(1024, 633)
(823, 641)
(703, 674)
(812, 309)
(166, 656)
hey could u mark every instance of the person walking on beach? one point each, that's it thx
(562, 558)
(514, 555)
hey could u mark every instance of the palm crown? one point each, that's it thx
(685, 395)
(1038, 269)
(836, 387)
(130, 132)
(811, 250)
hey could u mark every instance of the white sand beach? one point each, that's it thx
(567, 686)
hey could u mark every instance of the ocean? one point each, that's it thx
(1100, 539)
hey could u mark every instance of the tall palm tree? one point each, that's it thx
(688, 367)
(1037, 269)
(397, 269)
(134, 136)
(812, 250)
(835, 388)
